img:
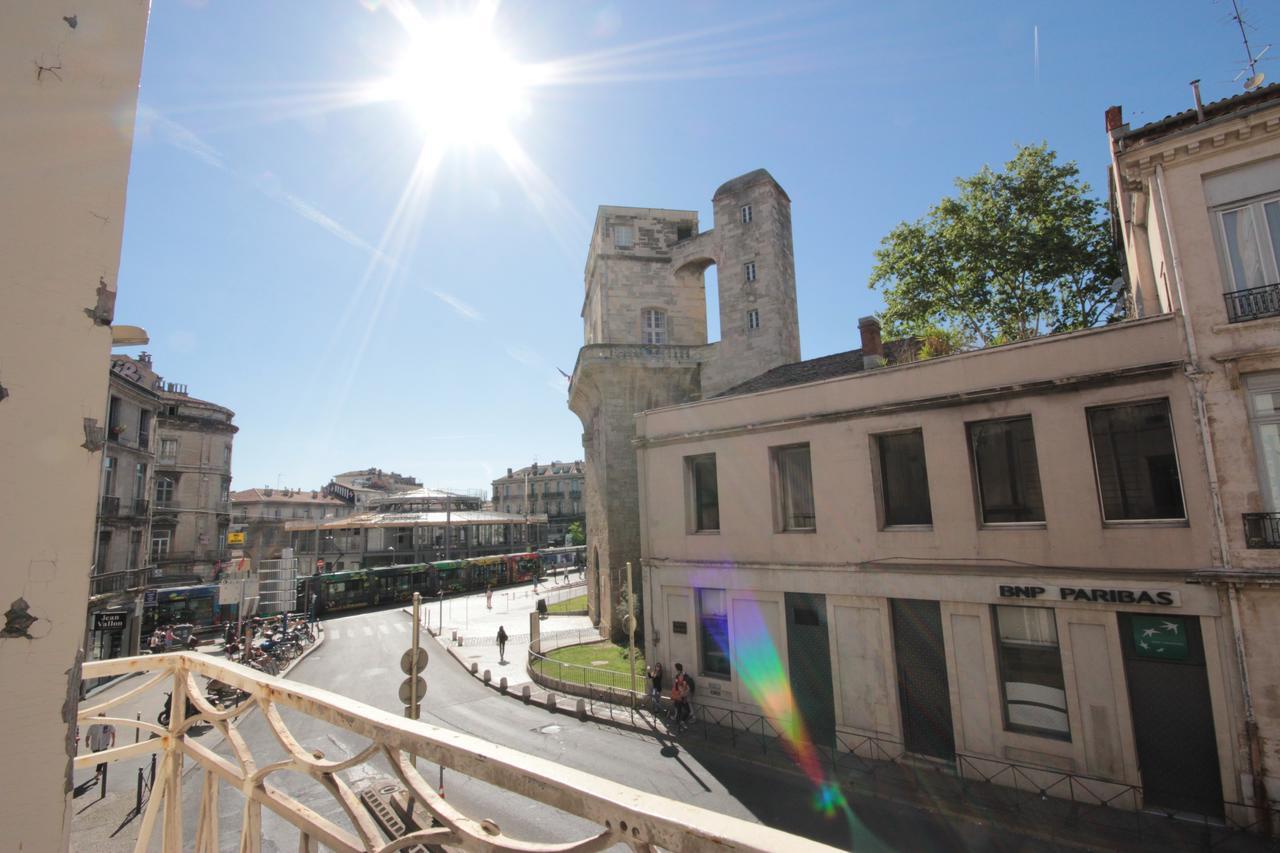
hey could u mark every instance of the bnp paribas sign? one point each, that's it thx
(1092, 594)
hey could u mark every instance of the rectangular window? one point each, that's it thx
(140, 481)
(904, 480)
(1135, 462)
(713, 631)
(750, 270)
(753, 319)
(704, 497)
(1004, 460)
(160, 540)
(1264, 414)
(109, 476)
(793, 478)
(168, 450)
(655, 326)
(624, 236)
(1035, 697)
(746, 214)
(1251, 237)
(144, 430)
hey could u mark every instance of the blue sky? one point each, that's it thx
(265, 254)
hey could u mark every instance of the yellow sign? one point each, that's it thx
(235, 537)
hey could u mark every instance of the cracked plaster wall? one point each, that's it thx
(69, 75)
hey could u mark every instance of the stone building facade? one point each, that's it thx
(261, 514)
(1055, 558)
(553, 489)
(1198, 202)
(123, 532)
(645, 341)
(192, 508)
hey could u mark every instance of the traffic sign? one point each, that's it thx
(148, 598)
(407, 686)
(406, 661)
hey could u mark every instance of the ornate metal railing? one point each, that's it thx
(1253, 304)
(1262, 529)
(637, 819)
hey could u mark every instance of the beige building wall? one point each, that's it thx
(860, 565)
(67, 101)
(1176, 180)
(197, 520)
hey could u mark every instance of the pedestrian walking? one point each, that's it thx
(101, 736)
(313, 617)
(681, 694)
(155, 644)
(488, 598)
(168, 637)
(502, 644)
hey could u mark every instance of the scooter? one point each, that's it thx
(163, 717)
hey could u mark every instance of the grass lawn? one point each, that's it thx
(569, 605)
(605, 663)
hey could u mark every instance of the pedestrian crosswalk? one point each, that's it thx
(351, 629)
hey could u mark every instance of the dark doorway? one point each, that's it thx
(809, 661)
(922, 679)
(1172, 715)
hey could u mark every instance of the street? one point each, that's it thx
(359, 658)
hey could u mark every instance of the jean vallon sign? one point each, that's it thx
(1096, 595)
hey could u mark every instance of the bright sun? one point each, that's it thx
(460, 83)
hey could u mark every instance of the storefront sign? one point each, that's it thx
(235, 537)
(1096, 595)
(112, 621)
(1157, 637)
(679, 628)
(149, 598)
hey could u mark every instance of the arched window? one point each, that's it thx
(164, 491)
(655, 326)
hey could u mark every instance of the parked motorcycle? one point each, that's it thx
(163, 717)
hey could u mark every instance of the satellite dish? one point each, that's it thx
(1254, 82)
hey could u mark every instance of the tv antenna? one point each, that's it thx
(1255, 77)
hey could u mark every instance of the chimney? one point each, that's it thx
(872, 348)
(144, 357)
(508, 473)
(1195, 91)
(1114, 118)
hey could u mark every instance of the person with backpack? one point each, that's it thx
(681, 696)
(655, 686)
(502, 644)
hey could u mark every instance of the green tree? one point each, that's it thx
(577, 536)
(1014, 254)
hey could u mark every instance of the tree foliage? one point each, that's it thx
(1014, 254)
(577, 536)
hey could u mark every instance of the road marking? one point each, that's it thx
(368, 632)
(400, 627)
(333, 633)
(383, 629)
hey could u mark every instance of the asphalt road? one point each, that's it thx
(360, 659)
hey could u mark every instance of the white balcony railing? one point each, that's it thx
(637, 819)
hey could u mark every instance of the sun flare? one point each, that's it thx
(459, 81)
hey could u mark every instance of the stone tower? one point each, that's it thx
(645, 343)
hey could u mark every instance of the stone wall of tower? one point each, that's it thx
(660, 262)
(765, 241)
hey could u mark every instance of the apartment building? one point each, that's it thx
(261, 515)
(1051, 556)
(553, 489)
(192, 508)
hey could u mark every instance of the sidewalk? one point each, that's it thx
(1058, 823)
(476, 627)
(97, 818)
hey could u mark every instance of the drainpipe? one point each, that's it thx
(1195, 378)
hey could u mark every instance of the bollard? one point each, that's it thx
(475, 667)
(138, 804)
(137, 733)
(551, 701)
(524, 693)
(487, 677)
(582, 709)
(502, 685)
